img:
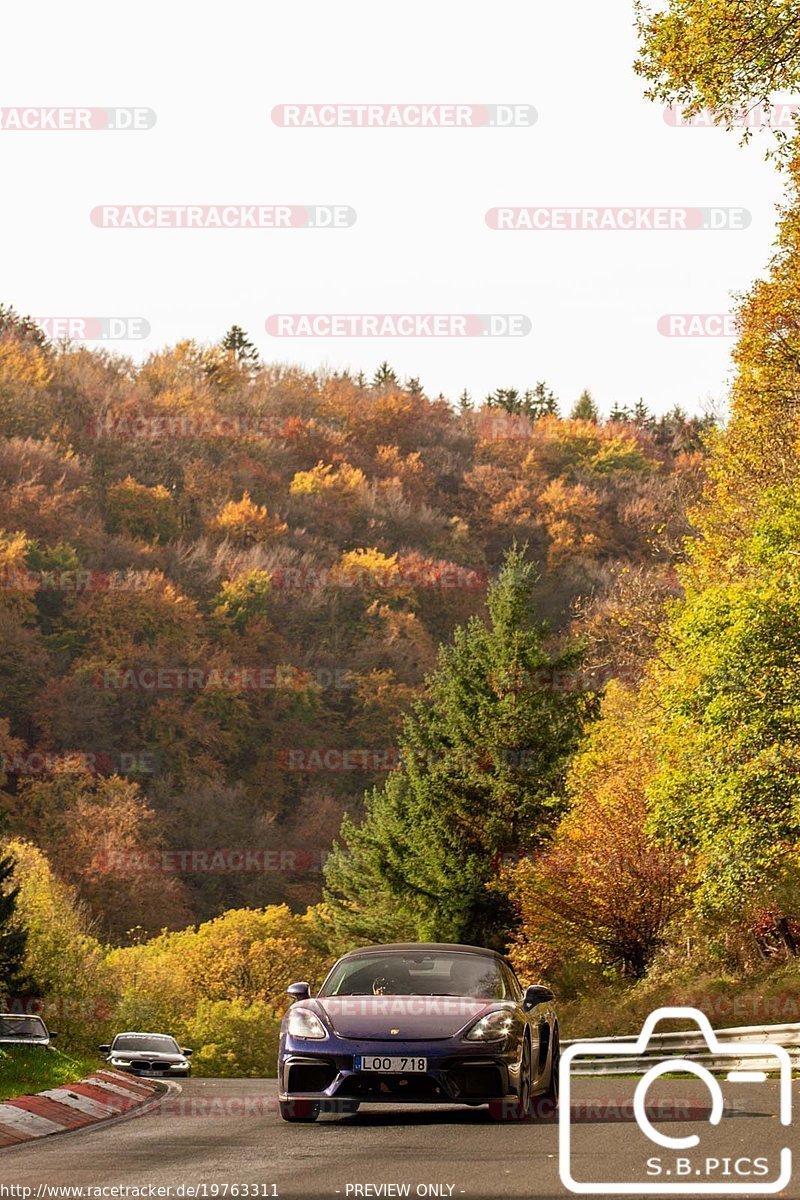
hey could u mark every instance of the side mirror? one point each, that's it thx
(104, 1049)
(52, 1033)
(299, 991)
(537, 993)
(185, 1050)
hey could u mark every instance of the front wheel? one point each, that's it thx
(516, 1108)
(299, 1111)
(555, 1063)
(546, 1104)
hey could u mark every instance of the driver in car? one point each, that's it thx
(390, 984)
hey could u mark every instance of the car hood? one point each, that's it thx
(25, 1041)
(147, 1056)
(401, 1018)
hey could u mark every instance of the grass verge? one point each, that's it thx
(27, 1069)
(767, 998)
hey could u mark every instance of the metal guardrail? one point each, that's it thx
(690, 1044)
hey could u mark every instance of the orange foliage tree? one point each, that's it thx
(604, 889)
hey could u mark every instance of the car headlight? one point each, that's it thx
(494, 1027)
(303, 1023)
(120, 1062)
(179, 1066)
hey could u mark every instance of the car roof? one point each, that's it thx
(421, 946)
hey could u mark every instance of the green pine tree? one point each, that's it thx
(237, 343)
(483, 755)
(541, 402)
(25, 328)
(641, 413)
(584, 408)
(508, 399)
(13, 940)
(384, 376)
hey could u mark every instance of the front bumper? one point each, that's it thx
(150, 1073)
(458, 1073)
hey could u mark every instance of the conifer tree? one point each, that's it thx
(13, 939)
(483, 756)
(584, 408)
(238, 344)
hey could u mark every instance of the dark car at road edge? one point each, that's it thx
(419, 1023)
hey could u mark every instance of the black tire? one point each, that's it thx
(516, 1108)
(545, 1106)
(299, 1111)
(525, 1079)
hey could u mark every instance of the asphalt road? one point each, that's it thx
(218, 1132)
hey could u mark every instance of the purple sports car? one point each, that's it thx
(419, 1023)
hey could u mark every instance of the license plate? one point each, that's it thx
(387, 1065)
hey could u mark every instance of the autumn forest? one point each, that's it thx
(293, 661)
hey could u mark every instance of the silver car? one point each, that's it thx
(152, 1054)
(17, 1030)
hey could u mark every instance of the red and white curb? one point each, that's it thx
(99, 1097)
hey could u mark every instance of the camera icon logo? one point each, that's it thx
(678, 1171)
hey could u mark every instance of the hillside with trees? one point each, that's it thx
(500, 670)
(223, 584)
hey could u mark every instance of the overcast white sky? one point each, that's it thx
(213, 72)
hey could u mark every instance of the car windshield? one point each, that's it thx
(150, 1043)
(418, 973)
(22, 1027)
